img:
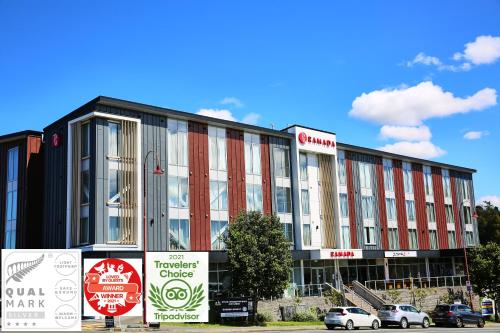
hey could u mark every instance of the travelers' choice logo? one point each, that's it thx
(112, 287)
(176, 295)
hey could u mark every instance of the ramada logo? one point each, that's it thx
(342, 254)
(303, 138)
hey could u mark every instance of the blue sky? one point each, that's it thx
(271, 62)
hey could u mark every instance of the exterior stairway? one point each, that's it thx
(354, 299)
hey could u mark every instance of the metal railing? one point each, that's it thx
(308, 290)
(421, 282)
(356, 299)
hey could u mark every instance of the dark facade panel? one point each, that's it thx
(236, 172)
(379, 168)
(442, 230)
(397, 167)
(34, 186)
(420, 206)
(266, 174)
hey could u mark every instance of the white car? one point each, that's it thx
(350, 317)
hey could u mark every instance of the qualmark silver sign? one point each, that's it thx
(41, 290)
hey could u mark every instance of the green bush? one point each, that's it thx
(264, 317)
(321, 316)
(304, 316)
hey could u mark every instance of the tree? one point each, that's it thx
(488, 223)
(259, 256)
(333, 297)
(484, 268)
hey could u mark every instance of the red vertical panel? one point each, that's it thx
(437, 185)
(350, 199)
(420, 202)
(240, 158)
(456, 211)
(266, 174)
(199, 198)
(379, 170)
(236, 172)
(397, 167)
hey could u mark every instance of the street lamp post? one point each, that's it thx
(464, 244)
(157, 171)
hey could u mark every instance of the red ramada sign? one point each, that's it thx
(336, 254)
(305, 138)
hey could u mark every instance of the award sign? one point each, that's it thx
(41, 290)
(177, 287)
(113, 287)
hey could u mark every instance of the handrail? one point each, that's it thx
(361, 299)
(375, 300)
(419, 282)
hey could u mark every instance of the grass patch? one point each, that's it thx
(295, 323)
(269, 324)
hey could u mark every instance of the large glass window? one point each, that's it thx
(303, 166)
(346, 237)
(179, 234)
(367, 206)
(307, 234)
(178, 192)
(344, 207)
(449, 213)
(283, 199)
(177, 142)
(410, 210)
(282, 162)
(84, 233)
(407, 177)
(413, 238)
(114, 229)
(390, 204)
(114, 130)
(342, 169)
(433, 239)
(11, 202)
(85, 140)
(218, 195)
(431, 212)
(446, 183)
(217, 148)
(365, 175)
(218, 230)
(469, 236)
(452, 244)
(393, 239)
(254, 197)
(288, 231)
(252, 154)
(304, 198)
(388, 176)
(370, 235)
(465, 189)
(467, 215)
(428, 180)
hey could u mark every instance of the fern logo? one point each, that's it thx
(18, 270)
(176, 295)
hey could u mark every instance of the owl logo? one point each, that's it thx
(176, 293)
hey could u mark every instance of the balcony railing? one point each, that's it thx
(432, 282)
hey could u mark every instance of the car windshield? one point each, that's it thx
(388, 308)
(336, 310)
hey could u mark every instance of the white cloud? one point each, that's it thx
(495, 200)
(251, 118)
(217, 113)
(424, 59)
(232, 101)
(406, 133)
(409, 106)
(421, 149)
(484, 50)
(475, 135)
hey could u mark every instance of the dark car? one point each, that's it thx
(456, 315)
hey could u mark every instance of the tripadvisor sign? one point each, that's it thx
(177, 287)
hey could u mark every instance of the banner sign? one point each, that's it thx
(113, 287)
(487, 307)
(177, 287)
(400, 254)
(41, 290)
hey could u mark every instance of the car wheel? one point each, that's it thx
(460, 322)
(480, 323)
(375, 325)
(403, 323)
(426, 323)
(349, 325)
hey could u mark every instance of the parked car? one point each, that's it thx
(350, 318)
(403, 315)
(456, 315)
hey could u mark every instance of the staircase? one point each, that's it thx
(354, 299)
(375, 300)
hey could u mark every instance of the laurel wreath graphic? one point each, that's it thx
(158, 301)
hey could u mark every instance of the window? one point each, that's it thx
(179, 234)
(433, 239)
(369, 235)
(84, 233)
(114, 229)
(113, 182)
(178, 192)
(469, 236)
(283, 199)
(390, 204)
(344, 207)
(252, 154)
(217, 148)
(410, 210)
(342, 169)
(451, 239)
(449, 214)
(85, 140)
(431, 212)
(307, 234)
(288, 231)
(446, 183)
(346, 237)
(388, 176)
(365, 175)
(281, 162)
(393, 239)
(177, 142)
(303, 166)
(304, 198)
(413, 239)
(407, 177)
(254, 197)
(11, 198)
(218, 195)
(367, 206)
(467, 215)
(428, 180)
(465, 189)
(218, 230)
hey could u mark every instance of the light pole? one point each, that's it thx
(157, 171)
(464, 244)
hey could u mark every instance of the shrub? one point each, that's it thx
(264, 317)
(393, 295)
(321, 316)
(304, 316)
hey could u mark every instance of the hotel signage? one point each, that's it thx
(337, 254)
(400, 254)
(315, 141)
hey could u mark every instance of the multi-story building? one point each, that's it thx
(115, 171)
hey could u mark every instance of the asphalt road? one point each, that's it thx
(414, 329)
